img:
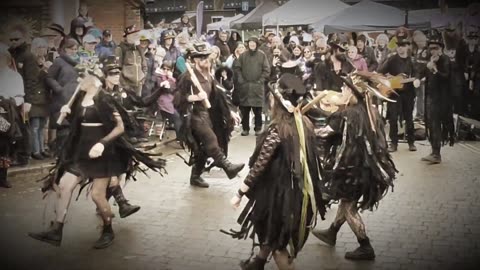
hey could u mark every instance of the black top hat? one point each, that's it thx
(110, 63)
(403, 41)
(130, 30)
(291, 87)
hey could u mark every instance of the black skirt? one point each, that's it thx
(109, 164)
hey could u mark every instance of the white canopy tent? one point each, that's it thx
(368, 16)
(224, 23)
(302, 12)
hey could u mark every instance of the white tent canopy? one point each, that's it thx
(439, 19)
(302, 12)
(224, 23)
(368, 16)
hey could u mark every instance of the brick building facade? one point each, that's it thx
(112, 14)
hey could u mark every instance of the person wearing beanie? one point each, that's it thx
(251, 70)
(367, 52)
(106, 47)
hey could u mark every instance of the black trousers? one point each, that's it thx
(203, 133)
(403, 107)
(257, 111)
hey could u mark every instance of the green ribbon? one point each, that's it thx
(307, 190)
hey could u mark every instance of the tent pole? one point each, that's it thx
(243, 35)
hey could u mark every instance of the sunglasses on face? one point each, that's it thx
(152, 49)
(113, 73)
(434, 48)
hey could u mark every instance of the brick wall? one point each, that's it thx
(114, 15)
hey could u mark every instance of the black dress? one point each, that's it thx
(109, 163)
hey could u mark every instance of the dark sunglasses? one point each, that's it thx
(14, 39)
(113, 73)
(152, 49)
(433, 48)
(203, 57)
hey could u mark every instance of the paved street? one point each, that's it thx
(430, 221)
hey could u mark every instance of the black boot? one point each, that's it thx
(392, 148)
(196, 178)
(328, 236)
(125, 209)
(52, 236)
(106, 239)
(256, 263)
(3, 179)
(230, 169)
(363, 252)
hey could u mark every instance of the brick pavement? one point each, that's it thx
(430, 221)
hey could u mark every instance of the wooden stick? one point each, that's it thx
(197, 84)
(69, 104)
(310, 105)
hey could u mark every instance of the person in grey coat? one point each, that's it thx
(251, 71)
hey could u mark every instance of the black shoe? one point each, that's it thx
(126, 209)
(37, 156)
(198, 181)
(392, 148)
(245, 133)
(412, 147)
(231, 169)
(253, 264)
(46, 154)
(52, 236)
(363, 252)
(432, 159)
(106, 239)
(328, 236)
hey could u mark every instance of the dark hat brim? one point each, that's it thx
(200, 54)
(435, 42)
(129, 33)
(337, 46)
